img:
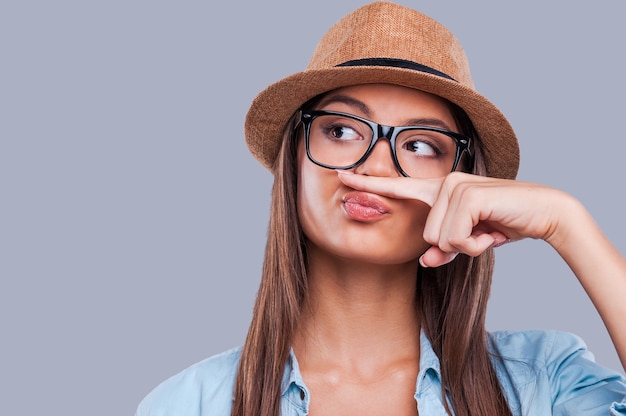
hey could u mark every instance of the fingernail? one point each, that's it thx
(345, 172)
(497, 242)
(421, 260)
(450, 256)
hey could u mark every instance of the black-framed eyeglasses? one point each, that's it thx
(336, 140)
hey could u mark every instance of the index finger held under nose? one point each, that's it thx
(425, 190)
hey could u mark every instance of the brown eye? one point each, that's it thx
(337, 128)
(344, 133)
(421, 148)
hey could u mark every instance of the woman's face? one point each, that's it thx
(357, 225)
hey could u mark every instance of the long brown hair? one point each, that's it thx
(452, 301)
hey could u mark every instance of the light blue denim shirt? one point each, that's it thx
(541, 373)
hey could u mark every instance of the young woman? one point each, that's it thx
(394, 181)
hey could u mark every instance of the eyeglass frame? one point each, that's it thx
(463, 143)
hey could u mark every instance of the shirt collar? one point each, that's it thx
(292, 374)
(429, 365)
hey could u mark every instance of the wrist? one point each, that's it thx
(571, 223)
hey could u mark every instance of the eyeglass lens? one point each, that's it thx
(339, 142)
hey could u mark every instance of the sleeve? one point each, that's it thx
(579, 385)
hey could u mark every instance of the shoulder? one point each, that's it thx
(540, 347)
(544, 351)
(205, 388)
(526, 356)
(557, 367)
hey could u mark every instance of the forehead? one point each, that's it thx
(387, 103)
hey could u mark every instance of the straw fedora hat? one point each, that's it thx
(384, 42)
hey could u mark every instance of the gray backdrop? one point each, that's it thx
(133, 219)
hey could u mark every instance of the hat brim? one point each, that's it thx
(272, 108)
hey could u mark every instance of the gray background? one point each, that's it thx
(133, 219)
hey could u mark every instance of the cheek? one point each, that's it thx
(316, 192)
(411, 230)
(305, 190)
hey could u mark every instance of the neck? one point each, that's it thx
(356, 310)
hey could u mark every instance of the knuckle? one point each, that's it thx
(472, 194)
(457, 242)
(431, 237)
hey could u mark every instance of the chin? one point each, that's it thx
(368, 250)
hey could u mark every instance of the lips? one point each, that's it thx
(365, 207)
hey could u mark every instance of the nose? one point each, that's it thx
(379, 162)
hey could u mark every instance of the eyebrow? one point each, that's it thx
(344, 99)
(361, 106)
(431, 122)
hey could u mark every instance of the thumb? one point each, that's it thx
(435, 257)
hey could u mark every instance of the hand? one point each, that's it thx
(470, 213)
